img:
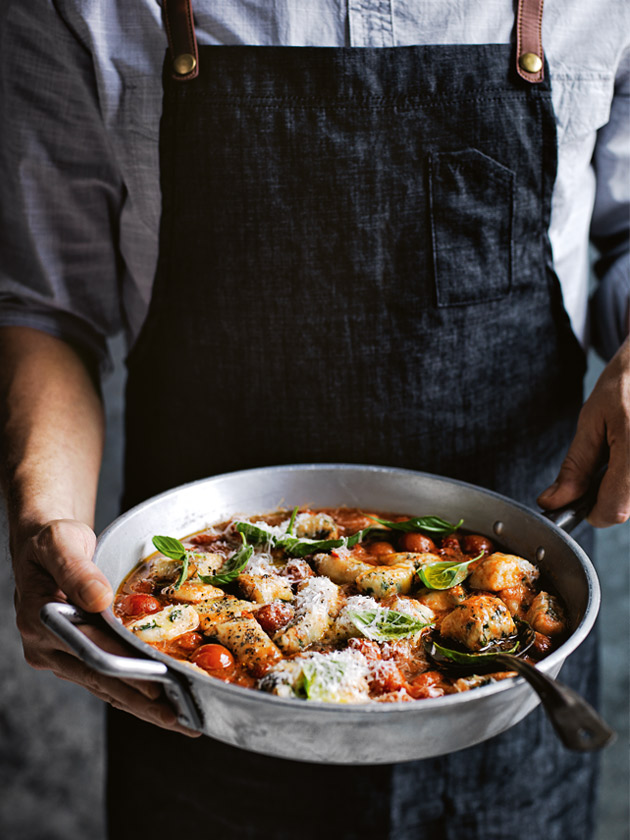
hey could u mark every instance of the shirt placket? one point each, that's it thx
(371, 23)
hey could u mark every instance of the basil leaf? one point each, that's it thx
(174, 550)
(322, 678)
(232, 568)
(383, 625)
(292, 521)
(445, 575)
(294, 546)
(170, 547)
(183, 573)
(360, 535)
(255, 533)
(470, 659)
(430, 524)
(300, 547)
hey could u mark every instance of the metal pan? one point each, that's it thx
(338, 734)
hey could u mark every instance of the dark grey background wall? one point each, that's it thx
(51, 749)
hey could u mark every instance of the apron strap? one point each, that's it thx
(182, 42)
(180, 30)
(529, 51)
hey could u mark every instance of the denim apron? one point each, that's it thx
(354, 266)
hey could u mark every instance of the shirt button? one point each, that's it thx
(184, 64)
(530, 62)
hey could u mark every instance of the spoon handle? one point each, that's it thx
(577, 723)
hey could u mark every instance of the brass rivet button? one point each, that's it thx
(530, 62)
(184, 64)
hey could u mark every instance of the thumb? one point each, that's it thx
(64, 548)
(578, 467)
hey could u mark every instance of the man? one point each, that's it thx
(380, 234)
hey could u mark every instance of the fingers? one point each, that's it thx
(613, 499)
(150, 690)
(55, 564)
(577, 469)
(144, 699)
(603, 427)
(118, 693)
(64, 548)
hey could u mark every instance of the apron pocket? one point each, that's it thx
(471, 198)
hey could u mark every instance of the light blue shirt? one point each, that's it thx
(80, 102)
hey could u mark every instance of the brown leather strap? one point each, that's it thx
(530, 58)
(180, 30)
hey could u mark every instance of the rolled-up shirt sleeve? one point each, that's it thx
(60, 192)
(610, 229)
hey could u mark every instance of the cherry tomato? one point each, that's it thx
(475, 544)
(369, 649)
(451, 542)
(205, 539)
(452, 555)
(386, 677)
(144, 586)
(272, 617)
(417, 542)
(542, 644)
(215, 659)
(429, 684)
(189, 641)
(139, 604)
(352, 520)
(380, 548)
(297, 570)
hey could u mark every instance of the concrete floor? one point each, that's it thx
(51, 748)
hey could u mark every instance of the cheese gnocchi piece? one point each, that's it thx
(502, 571)
(417, 559)
(546, 615)
(343, 627)
(517, 598)
(193, 592)
(263, 589)
(477, 621)
(216, 612)
(162, 568)
(316, 526)
(249, 643)
(382, 581)
(318, 603)
(283, 678)
(192, 588)
(341, 567)
(166, 624)
(410, 606)
(205, 564)
(440, 600)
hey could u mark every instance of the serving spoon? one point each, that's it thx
(577, 724)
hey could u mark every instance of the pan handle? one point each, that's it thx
(569, 517)
(62, 620)
(577, 724)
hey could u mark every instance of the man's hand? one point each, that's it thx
(55, 564)
(51, 439)
(603, 430)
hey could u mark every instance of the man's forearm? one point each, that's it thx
(51, 428)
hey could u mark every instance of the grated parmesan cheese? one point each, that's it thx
(344, 627)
